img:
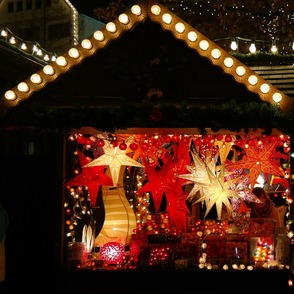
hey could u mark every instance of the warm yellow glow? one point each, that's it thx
(252, 80)
(240, 70)
(215, 53)
(277, 97)
(36, 79)
(192, 36)
(136, 9)
(61, 61)
(123, 18)
(111, 27)
(180, 27)
(120, 219)
(264, 88)
(10, 95)
(155, 9)
(74, 53)
(48, 70)
(167, 18)
(98, 35)
(86, 44)
(23, 87)
(204, 45)
(228, 62)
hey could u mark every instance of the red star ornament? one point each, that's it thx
(177, 210)
(259, 160)
(165, 179)
(91, 177)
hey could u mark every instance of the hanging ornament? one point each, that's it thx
(113, 157)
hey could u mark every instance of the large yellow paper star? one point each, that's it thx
(198, 173)
(213, 182)
(114, 157)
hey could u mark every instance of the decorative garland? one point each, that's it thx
(231, 116)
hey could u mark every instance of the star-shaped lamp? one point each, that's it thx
(259, 160)
(114, 157)
(92, 177)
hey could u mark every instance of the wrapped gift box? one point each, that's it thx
(237, 252)
(215, 249)
(261, 227)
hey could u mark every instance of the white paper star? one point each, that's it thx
(114, 157)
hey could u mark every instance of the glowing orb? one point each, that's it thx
(112, 252)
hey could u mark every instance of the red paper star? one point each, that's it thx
(165, 179)
(177, 210)
(259, 160)
(91, 177)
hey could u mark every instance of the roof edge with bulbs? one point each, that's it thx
(126, 21)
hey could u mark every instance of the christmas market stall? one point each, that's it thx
(164, 135)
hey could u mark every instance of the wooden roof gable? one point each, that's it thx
(69, 77)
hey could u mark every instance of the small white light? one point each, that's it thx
(12, 40)
(264, 88)
(155, 9)
(274, 49)
(123, 18)
(23, 46)
(252, 48)
(36, 79)
(10, 95)
(136, 9)
(111, 27)
(240, 70)
(192, 36)
(204, 45)
(167, 18)
(252, 80)
(234, 45)
(61, 61)
(98, 35)
(23, 87)
(215, 53)
(228, 62)
(4, 33)
(250, 267)
(73, 52)
(277, 97)
(86, 43)
(180, 28)
(48, 70)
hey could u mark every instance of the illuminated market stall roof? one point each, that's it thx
(146, 52)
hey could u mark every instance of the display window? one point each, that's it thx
(176, 201)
